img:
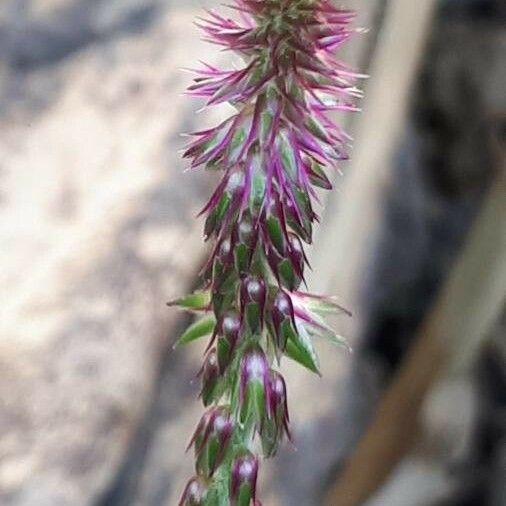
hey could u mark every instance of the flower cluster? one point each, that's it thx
(272, 155)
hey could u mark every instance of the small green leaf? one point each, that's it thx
(197, 301)
(333, 338)
(300, 349)
(196, 330)
(322, 305)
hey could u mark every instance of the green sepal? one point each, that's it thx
(269, 437)
(236, 144)
(288, 157)
(254, 403)
(287, 332)
(196, 330)
(217, 215)
(288, 276)
(317, 129)
(221, 275)
(212, 392)
(266, 120)
(257, 184)
(276, 234)
(245, 495)
(253, 316)
(223, 350)
(206, 460)
(299, 230)
(229, 281)
(304, 205)
(258, 73)
(219, 491)
(223, 205)
(222, 302)
(304, 229)
(318, 177)
(241, 257)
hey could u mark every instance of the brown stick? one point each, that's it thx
(468, 306)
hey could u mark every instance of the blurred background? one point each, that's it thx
(98, 231)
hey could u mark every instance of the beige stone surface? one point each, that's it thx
(97, 231)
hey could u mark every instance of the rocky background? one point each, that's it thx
(97, 231)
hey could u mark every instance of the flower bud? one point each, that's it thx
(296, 254)
(243, 483)
(229, 330)
(246, 232)
(254, 392)
(279, 401)
(224, 203)
(283, 269)
(245, 238)
(300, 215)
(253, 298)
(283, 318)
(223, 257)
(318, 177)
(212, 439)
(274, 429)
(223, 278)
(275, 226)
(210, 374)
(195, 493)
(215, 217)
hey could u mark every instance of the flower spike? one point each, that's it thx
(274, 154)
